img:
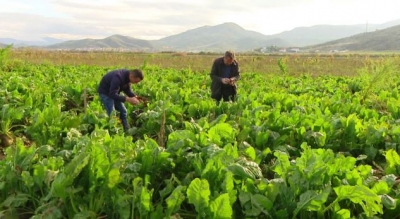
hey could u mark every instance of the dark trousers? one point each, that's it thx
(227, 94)
(109, 104)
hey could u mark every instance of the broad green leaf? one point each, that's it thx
(85, 215)
(145, 201)
(381, 188)
(221, 207)
(312, 200)
(245, 169)
(27, 178)
(221, 131)
(220, 119)
(262, 139)
(389, 179)
(254, 205)
(282, 164)
(393, 162)
(198, 194)
(71, 171)
(113, 178)
(251, 153)
(262, 203)
(342, 214)
(175, 200)
(180, 138)
(229, 187)
(388, 202)
(15, 200)
(359, 194)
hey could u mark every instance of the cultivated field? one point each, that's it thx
(311, 136)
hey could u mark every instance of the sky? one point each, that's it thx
(151, 19)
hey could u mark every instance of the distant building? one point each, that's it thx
(282, 50)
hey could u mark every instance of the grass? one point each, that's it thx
(296, 64)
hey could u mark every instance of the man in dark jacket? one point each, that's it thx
(111, 86)
(224, 74)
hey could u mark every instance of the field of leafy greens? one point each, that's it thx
(290, 147)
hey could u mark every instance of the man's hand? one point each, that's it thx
(225, 80)
(132, 100)
(232, 81)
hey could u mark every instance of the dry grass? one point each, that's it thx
(312, 64)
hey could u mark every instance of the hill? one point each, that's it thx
(207, 38)
(317, 34)
(380, 40)
(114, 42)
(218, 38)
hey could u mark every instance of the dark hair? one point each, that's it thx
(137, 73)
(230, 54)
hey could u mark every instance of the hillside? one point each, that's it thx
(380, 40)
(218, 38)
(317, 34)
(228, 36)
(115, 41)
(207, 38)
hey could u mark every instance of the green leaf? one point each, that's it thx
(282, 164)
(312, 200)
(221, 131)
(85, 215)
(393, 161)
(15, 200)
(220, 119)
(198, 194)
(251, 153)
(381, 188)
(342, 214)
(229, 187)
(262, 203)
(175, 200)
(221, 207)
(262, 139)
(245, 169)
(254, 205)
(359, 194)
(113, 178)
(180, 138)
(66, 178)
(388, 202)
(27, 178)
(145, 201)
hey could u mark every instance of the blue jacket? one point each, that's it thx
(114, 82)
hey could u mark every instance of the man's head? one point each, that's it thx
(135, 76)
(229, 57)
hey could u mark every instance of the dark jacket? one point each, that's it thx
(216, 76)
(114, 82)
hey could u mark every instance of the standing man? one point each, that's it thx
(110, 87)
(224, 74)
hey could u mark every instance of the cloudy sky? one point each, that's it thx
(154, 19)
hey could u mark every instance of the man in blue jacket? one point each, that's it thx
(111, 86)
(224, 74)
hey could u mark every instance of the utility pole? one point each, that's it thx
(366, 27)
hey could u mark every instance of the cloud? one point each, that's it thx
(154, 19)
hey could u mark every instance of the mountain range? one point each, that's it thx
(229, 36)
(381, 40)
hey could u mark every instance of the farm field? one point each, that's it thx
(298, 143)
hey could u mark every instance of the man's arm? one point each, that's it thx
(114, 88)
(129, 92)
(237, 75)
(214, 72)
